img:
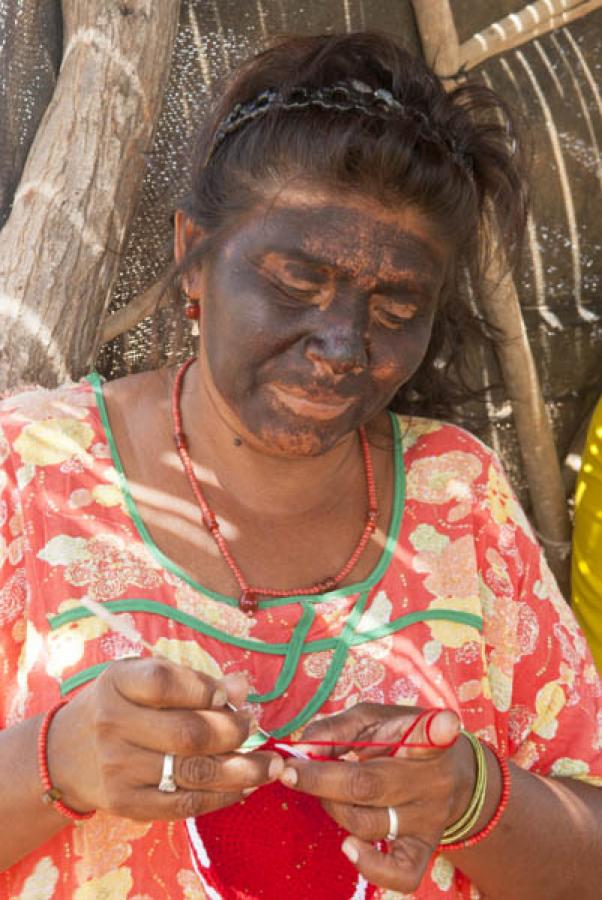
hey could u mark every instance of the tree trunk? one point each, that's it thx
(61, 246)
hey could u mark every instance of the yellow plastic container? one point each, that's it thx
(587, 539)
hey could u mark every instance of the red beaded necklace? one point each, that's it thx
(249, 596)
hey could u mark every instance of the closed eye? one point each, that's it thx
(392, 313)
(297, 290)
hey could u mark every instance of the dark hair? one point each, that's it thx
(454, 155)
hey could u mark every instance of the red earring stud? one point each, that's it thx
(192, 311)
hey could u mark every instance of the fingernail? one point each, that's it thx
(290, 777)
(219, 697)
(275, 767)
(350, 851)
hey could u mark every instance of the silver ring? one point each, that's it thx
(167, 785)
(393, 825)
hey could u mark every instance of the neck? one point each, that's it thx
(265, 484)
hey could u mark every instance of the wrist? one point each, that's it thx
(53, 756)
(464, 781)
(492, 794)
(492, 791)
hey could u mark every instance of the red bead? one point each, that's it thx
(210, 522)
(192, 310)
(328, 584)
(248, 601)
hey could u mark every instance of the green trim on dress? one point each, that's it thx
(167, 563)
(297, 646)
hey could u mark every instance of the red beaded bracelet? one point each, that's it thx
(501, 807)
(52, 795)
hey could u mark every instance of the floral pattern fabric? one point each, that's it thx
(466, 614)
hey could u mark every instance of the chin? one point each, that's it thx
(298, 441)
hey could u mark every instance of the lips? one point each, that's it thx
(320, 405)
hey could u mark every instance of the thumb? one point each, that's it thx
(431, 729)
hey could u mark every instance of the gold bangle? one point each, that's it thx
(469, 819)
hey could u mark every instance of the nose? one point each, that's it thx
(338, 351)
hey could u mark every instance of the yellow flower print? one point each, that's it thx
(500, 685)
(549, 702)
(189, 881)
(188, 653)
(454, 634)
(439, 479)
(442, 874)
(53, 441)
(413, 428)
(103, 844)
(502, 503)
(67, 644)
(42, 882)
(227, 618)
(108, 495)
(565, 767)
(116, 885)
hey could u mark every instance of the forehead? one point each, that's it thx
(349, 232)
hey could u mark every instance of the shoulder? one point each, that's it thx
(42, 426)
(442, 454)
(36, 403)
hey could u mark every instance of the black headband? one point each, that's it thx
(343, 96)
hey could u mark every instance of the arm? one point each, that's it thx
(25, 822)
(548, 845)
(106, 749)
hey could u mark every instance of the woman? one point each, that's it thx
(290, 551)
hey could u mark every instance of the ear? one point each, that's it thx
(187, 233)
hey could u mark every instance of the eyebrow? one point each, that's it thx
(422, 277)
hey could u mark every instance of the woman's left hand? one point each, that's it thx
(428, 787)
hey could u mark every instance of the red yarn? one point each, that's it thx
(276, 843)
(281, 843)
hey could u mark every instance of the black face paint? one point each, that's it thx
(316, 314)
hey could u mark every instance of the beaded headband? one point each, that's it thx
(342, 96)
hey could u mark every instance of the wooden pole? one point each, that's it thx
(501, 307)
(533, 21)
(438, 35)
(61, 246)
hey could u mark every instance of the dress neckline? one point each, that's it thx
(397, 508)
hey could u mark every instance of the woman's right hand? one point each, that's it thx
(106, 747)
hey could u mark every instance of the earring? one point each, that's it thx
(192, 311)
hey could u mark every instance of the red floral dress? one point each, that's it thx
(460, 611)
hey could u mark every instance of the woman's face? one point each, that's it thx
(315, 310)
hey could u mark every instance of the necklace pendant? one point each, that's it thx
(248, 601)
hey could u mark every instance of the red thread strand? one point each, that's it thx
(249, 597)
(393, 746)
(52, 795)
